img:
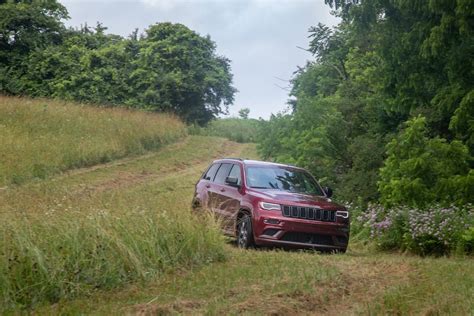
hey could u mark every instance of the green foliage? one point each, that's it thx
(384, 64)
(420, 170)
(238, 130)
(177, 70)
(244, 113)
(170, 68)
(28, 25)
(467, 240)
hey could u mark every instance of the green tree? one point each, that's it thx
(385, 63)
(178, 71)
(420, 170)
(25, 27)
(244, 113)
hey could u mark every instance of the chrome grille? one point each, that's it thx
(312, 213)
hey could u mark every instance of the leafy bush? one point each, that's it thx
(419, 170)
(435, 230)
(467, 240)
(236, 129)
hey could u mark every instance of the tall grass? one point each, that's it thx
(56, 256)
(39, 138)
(105, 228)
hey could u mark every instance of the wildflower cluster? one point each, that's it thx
(378, 219)
(443, 224)
(436, 229)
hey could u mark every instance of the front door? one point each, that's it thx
(226, 197)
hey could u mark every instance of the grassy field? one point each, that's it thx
(119, 238)
(105, 227)
(39, 138)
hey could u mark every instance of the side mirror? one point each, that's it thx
(328, 191)
(232, 181)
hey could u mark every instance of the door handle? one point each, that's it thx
(222, 190)
(208, 186)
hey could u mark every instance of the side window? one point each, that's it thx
(235, 173)
(211, 172)
(222, 173)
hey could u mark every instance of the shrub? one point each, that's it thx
(467, 240)
(420, 171)
(434, 230)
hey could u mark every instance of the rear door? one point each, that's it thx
(203, 187)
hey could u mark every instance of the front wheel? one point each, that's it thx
(245, 233)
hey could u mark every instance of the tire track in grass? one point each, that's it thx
(179, 169)
(187, 157)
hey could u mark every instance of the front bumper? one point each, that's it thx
(271, 228)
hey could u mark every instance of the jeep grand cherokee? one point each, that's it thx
(272, 204)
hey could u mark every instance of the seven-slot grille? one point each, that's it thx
(309, 213)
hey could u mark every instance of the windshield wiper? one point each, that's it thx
(259, 187)
(273, 186)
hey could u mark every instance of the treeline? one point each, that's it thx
(385, 110)
(168, 68)
(242, 129)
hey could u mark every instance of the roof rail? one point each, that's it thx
(233, 158)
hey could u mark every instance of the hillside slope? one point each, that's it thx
(39, 138)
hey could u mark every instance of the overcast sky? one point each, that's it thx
(260, 37)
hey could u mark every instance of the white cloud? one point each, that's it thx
(162, 4)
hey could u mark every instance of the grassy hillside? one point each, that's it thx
(119, 238)
(105, 227)
(39, 138)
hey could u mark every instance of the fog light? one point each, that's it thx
(343, 214)
(271, 221)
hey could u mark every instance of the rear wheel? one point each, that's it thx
(245, 233)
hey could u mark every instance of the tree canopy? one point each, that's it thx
(168, 68)
(390, 69)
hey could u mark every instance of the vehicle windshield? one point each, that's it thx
(283, 179)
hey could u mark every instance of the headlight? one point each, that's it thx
(270, 206)
(343, 214)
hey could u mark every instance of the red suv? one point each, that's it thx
(271, 204)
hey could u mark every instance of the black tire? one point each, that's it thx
(245, 233)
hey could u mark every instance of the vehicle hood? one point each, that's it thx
(287, 198)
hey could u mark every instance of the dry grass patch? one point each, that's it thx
(39, 138)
